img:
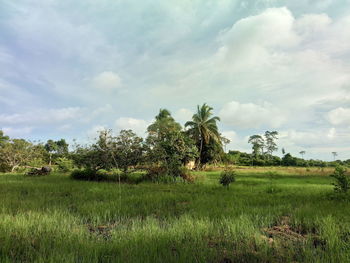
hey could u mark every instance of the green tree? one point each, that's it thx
(18, 152)
(129, 149)
(302, 154)
(204, 130)
(258, 144)
(3, 138)
(270, 144)
(167, 145)
(51, 147)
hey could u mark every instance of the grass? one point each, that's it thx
(277, 216)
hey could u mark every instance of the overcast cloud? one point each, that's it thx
(70, 68)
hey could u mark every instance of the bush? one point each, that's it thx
(227, 177)
(89, 175)
(45, 170)
(159, 174)
(343, 181)
(64, 164)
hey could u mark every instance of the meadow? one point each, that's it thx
(267, 215)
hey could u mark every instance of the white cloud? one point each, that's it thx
(42, 116)
(137, 125)
(107, 81)
(251, 115)
(93, 132)
(17, 132)
(339, 116)
(183, 115)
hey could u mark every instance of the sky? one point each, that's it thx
(70, 68)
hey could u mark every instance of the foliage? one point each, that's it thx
(15, 153)
(64, 164)
(342, 183)
(227, 177)
(167, 145)
(39, 172)
(270, 145)
(258, 144)
(89, 175)
(129, 149)
(204, 131)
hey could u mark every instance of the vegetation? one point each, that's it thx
(55, 219)
(227, 177)
(343, 180)
(133, 199)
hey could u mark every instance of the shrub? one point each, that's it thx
(227, 177)
(342, 183)
(45, 170)
(64, 164)
(89, 175)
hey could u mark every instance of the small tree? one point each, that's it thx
(129, 149)
(342, 183)
(227, 177)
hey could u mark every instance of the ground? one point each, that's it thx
(267, 215)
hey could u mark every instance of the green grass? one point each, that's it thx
(56, 219)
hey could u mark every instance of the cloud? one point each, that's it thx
(17, 132)
(339, 116)
(42, 116)
(251, 115)
(139, 126)
(107, 81)
(183, 115)
(93, 132)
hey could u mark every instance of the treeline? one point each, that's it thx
(248, 159)
(167, 149)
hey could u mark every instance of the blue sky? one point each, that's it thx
(69, 68)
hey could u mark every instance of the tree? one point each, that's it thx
(99, 155)
(18, 152)
(204, 130)
(302, 154)
(129, 149)
(3, 138)
(62, 147)
(167, 145)
(283, 151)
(258, 144)
(271, 146)
(51, 147)
(335, 154)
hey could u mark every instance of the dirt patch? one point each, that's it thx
(103, 231)
(284, 233)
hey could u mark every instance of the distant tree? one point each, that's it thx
(270, 145)
(335, 154)
(289, 160)
(283, 151)
(302, 154)
(225, 141)
(3, 138)
(129, 149)
(18, 152)
(204, 131)
(51, 147)
(258, 144)
(62, 147)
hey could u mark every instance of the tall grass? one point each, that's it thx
(56, 219)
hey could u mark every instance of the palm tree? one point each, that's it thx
(335, 154)
(302, 154)
(203, 128)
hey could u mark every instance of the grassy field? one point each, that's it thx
(267, 215)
